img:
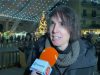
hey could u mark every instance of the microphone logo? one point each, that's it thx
(47, 71)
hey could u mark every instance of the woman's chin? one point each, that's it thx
(56, 43)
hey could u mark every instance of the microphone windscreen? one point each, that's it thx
(50, 55)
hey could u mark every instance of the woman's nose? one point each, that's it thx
(55, 29)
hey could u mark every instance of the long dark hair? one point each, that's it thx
(69, 19)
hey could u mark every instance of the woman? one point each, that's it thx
(75, 55)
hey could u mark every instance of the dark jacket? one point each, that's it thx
(84, 65)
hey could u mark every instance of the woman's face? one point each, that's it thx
(59, 33)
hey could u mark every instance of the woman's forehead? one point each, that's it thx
(60, 17)
(56, 17)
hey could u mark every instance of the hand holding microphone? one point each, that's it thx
(42, 66)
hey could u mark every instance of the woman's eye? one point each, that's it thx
(51, 22)
(62, 23)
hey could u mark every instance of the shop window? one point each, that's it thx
(93, 13)
(84, 13)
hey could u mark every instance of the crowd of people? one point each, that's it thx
(12, 40)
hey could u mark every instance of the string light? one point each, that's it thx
(26, 9)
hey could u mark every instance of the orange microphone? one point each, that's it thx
(46, 60)
(50, 55)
